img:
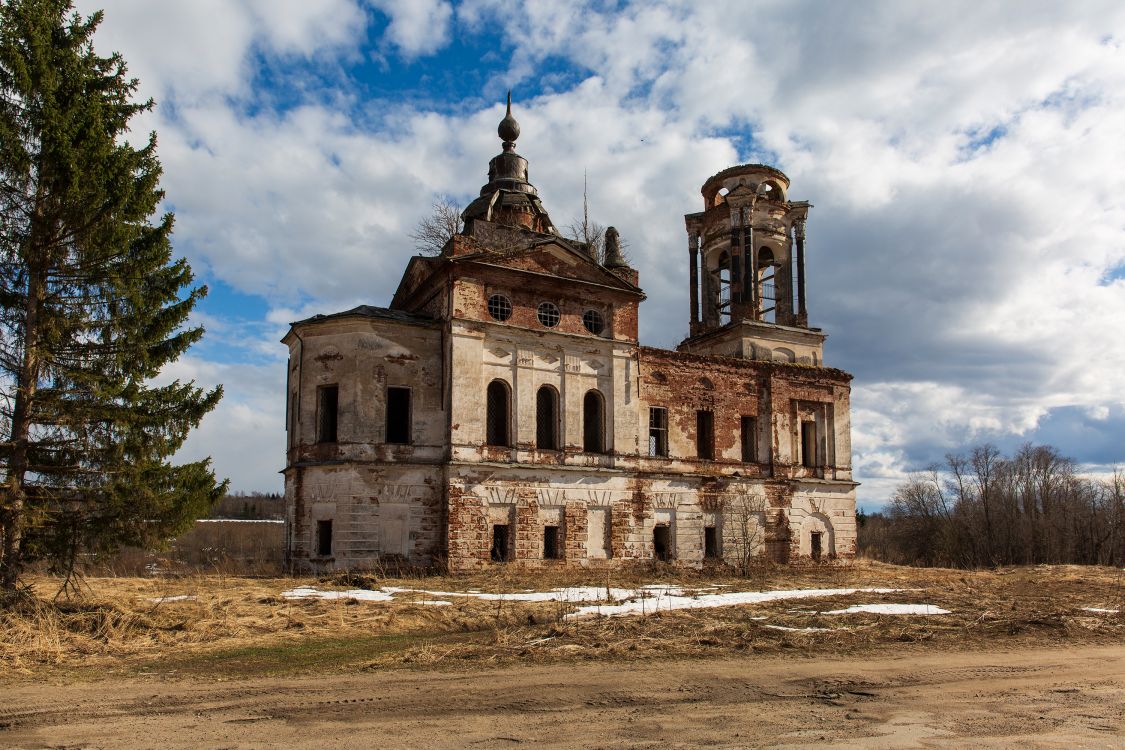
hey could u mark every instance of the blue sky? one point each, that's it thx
(964, 159)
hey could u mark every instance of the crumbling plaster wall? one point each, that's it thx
(368, 488)
(378, 513)
(526, 356)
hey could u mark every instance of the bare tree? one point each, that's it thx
(744, 521)
(587, 232)
(595, 236)
(438, 228)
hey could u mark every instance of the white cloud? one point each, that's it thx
(245, 434)
(416, 27)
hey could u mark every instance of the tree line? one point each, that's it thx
(983, 508)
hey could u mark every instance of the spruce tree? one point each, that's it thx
(92, 306)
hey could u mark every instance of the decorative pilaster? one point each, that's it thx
(693, 266)
(755, 299)
(799, 233)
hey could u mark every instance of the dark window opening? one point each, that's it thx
(808, 444)
(499, 307)
(498, 414)
(662, 542)
(657, 431)
(547, 419)
(324, 538)
(552, 550)
(500, 546)
(722, 285)
(815, 544)
(593, 423)
(594, 322)
(711, 543)
(548, 314)
(398, 415)
(293, 420)
(749, 439)
(705, 434)
(328, 402)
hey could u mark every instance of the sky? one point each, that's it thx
(965, 161)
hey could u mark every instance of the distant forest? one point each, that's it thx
(254, 506)
(985, 509)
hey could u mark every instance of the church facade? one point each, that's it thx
(501, 410)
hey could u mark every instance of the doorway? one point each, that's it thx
(662, 542)
(500, 542)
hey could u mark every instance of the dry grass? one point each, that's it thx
(233, 625)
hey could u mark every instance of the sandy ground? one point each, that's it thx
(1043, 698)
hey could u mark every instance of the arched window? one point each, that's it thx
(547, 419)
(593, 422)
(722, 285)
(498, 414)
(767, 285)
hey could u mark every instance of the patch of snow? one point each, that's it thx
(308, 592)
(892, 609)
(1101, 611)
(570, 594)
(800, 630)
(674, 599)
(178, 598)
(240, 520)
(436, 603)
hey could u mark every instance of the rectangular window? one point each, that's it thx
(552, 550)
(657, 431)
(500, 542)
(749, 440)
(705, 434)
(815, 545)
(808, 444)
(327, 405)
(293, 420)
(324, 538)
(711, 543)
(398, 415)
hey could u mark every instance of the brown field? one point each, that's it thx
(116, 640)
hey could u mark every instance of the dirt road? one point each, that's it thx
(1025, 698)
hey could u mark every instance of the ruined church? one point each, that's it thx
(501, 410)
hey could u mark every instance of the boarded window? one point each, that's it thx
(808, 444)
(327, 407)
(749, 439)
(593, 423)
(662, 542)
(711, 543)
(657, 431)
(498, 414)
(547, 419)
(705, 434)
(324, 538)
(815, 544)
(552, 549)
(599, 533)
(398, 415)
(500, 542)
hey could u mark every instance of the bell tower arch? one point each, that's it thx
(746, 255)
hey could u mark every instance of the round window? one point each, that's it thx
(499, 307)
(594, 321)
(548, 314)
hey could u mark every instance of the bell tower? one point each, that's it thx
(746, 255)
